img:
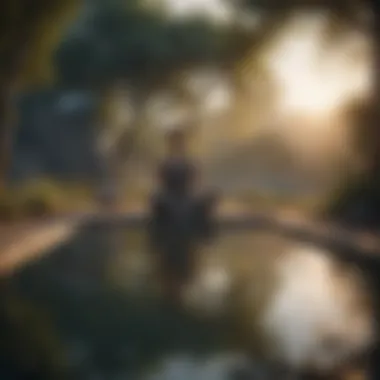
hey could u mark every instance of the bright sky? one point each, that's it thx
(315, 85)
(218, 10)
(315, 81)
(310, 80)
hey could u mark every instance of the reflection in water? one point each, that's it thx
(185, 367)
(103, 302)
(99, 293)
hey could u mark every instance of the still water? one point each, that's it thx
(97, 299)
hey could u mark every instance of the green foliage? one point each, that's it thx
(31, 27)
(16, 206)
(118, 41)
(38, 199)
(42, 198)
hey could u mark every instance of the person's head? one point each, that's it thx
(176, 141)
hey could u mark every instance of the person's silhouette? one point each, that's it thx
(177, 172)
(173, 225)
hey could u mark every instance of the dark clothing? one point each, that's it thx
(173, 222)
(173, 236)
(179, 220)
(177, 175)
(178, 224)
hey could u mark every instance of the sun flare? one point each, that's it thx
(313, 79)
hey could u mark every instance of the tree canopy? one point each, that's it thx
(116, 41)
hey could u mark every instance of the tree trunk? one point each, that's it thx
(7, 89)
(5, 134)
(18, 27)
(375, 126)
(8, 74)
(13, 56)
(373, 177)
(374, 171)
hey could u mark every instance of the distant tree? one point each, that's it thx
(118, 41)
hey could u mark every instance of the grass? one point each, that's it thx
(271, 201)
(45, 197)
(42, 198)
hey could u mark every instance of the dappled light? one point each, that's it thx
(314, 79)
(189, 189)
(217, 11)
(312, 83)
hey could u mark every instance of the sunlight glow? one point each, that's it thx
(166, 111)
(219, 11)
(211, 88)
(313, 79)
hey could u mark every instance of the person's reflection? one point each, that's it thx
(174, 242)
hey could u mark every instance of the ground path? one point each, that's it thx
(24, 242)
